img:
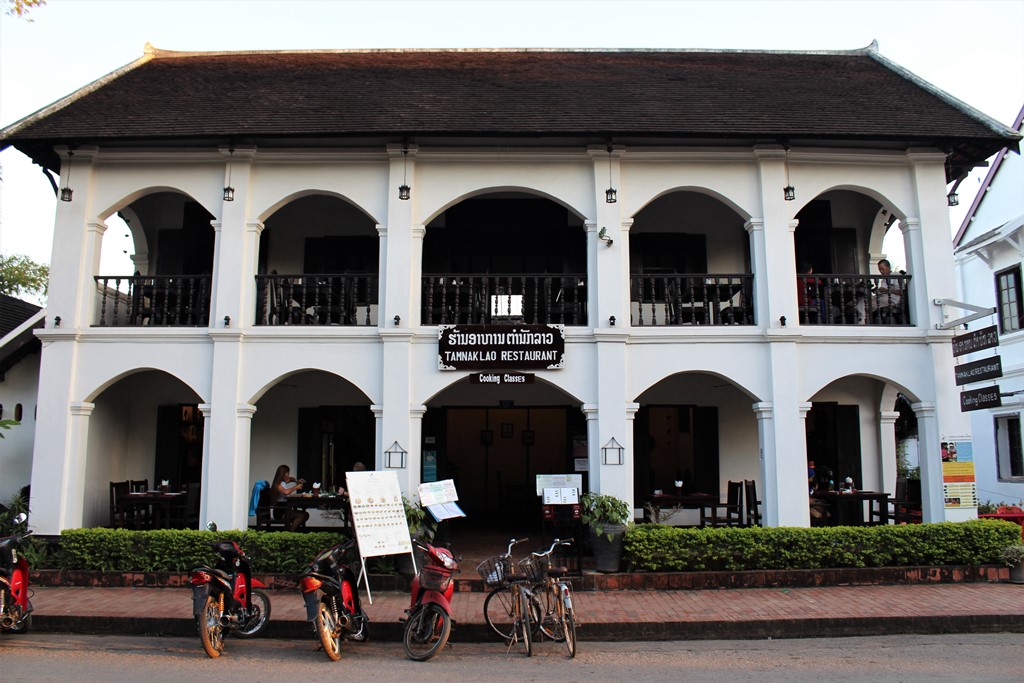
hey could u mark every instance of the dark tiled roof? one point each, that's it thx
(679, 94)
(13, 313)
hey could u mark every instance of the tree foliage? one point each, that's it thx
(20, 8)
(7, 424)
(21, 275)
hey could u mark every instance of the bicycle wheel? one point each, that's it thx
(498, 612)
(523, 623)
(568, 619)
(328, 631)
(547, 615)
(426, 632)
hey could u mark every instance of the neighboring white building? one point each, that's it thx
(19, 386)
(305, 223)
(989, 249)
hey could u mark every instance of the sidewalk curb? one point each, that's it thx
(624, 631)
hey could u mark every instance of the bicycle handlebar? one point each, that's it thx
(512, 542)
(555, 543)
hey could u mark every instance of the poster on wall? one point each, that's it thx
(959, 488)
(378, 515)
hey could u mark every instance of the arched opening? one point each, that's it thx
(697, 429)
(840, 279)
(505, 257)
(318, 265)
(145, 427)
(493, 441)
(171, 243)
(689, 263)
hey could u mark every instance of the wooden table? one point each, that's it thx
(686, 501)
(300, 501)
(158, 506)
(847, 509)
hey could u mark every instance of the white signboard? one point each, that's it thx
(568, 496)
(378, 515)
(558, 481)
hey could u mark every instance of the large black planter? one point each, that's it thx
(607, 553)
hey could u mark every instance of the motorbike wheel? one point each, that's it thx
(426, 632)
(327, 629)
(23, 626)
(211, 633)
(257, 618)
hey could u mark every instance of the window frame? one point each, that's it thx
(1015, 272)
(1009, 447)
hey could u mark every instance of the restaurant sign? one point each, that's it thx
(979, 371)
(979, 399)
(978, 340)
(500, 347)
(499, 379)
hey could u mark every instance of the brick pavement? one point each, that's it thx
(612, 615)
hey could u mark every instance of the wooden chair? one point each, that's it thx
(118, 489)
(265, 509)
(753, 505)
(902, 510)
(731, 510)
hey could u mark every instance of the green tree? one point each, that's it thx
(7, 424)
(21, 275)
(20, 8)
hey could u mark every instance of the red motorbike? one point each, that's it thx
(226, 598)
(329, 591)
(429, 620)
(15, 607)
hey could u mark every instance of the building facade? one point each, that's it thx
(696, 233)
(988, 264)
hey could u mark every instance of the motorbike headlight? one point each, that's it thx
(449, 562)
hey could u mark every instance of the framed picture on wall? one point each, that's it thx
(506, 430)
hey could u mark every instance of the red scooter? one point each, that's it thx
(226, 599)
(15, 607)
(429, 621)
(329, 591)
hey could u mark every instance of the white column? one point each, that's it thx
(398, 268)
(932, 501)
(609, 292)
(772, 252)
(593, 447)
(205, 486)
(73, 503)
(237, 246)
(887, 448)
(227, 503)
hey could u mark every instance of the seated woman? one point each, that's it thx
(293, 518)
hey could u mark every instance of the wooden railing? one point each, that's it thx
(830, 299)
(691, 299)
(531, 298)
(317, 299)
(153, 300)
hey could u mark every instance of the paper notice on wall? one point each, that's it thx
(378, 515)
(959, 488)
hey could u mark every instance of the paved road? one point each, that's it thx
(39, 657)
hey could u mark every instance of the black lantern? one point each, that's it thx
(612, 453)
(610, 195)
(788, 192)
(66, 191)
(229, 192)
(403, 189)
(394, 457)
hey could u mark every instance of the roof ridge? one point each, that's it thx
(160, 53)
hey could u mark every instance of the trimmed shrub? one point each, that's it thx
(653, 547)
(175, 550)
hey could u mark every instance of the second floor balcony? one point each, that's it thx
(692, 299)
(533, 299)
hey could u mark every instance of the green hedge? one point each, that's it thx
(653, 547)
(173, 550)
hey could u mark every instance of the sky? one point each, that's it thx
(972, 50)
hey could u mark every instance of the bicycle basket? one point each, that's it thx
(533, 567)
(435, 579)
(493, 570)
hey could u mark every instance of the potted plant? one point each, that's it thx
(608, 518)
(1013, 557)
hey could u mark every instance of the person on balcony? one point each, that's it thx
(889, 295)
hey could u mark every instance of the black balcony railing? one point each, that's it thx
(691, 299)
(535, 299)
(317, 299)
(156, 300)
(828, 299)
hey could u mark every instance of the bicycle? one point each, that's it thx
(510, 609)
(559, 617)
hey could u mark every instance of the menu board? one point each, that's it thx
(437, 492)
(558, 481)
(378, 515)
(959, 488)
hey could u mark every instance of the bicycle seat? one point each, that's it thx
(556, 572)
(513, 574)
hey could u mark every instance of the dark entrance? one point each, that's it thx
(179, 445)
(332, 439)
(833, 442)
(674, 443)
(495, 454)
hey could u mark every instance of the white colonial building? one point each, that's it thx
(304, 224)
(989, 249)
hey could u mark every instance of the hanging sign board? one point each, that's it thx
(378, 515)
(978, 340)
(500, 347)
(979, 371)
(979, 399)
(499, 379)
